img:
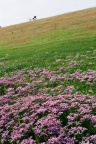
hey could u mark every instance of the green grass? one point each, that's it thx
(40, 43)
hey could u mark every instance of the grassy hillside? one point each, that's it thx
(65, 35)
(48, 80)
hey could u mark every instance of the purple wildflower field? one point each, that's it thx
(48, 80)
(38, 107)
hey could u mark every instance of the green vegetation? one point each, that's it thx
(40, 43)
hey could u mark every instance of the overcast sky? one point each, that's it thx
(18, 11)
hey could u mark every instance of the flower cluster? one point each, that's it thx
(29, 115)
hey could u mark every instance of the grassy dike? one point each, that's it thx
(26, 44)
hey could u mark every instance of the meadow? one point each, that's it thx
(48, 80)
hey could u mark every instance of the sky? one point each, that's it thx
(19, 11)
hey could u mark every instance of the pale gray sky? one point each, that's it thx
(18, 11)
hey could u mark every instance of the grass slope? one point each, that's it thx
(68, 34)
